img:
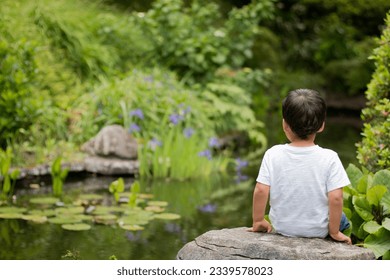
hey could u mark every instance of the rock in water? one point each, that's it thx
(239, 244)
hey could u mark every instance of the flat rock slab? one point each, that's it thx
(239, 244)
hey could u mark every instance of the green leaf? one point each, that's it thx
(363, 208)
(56, 166)
(44, 200)
(385, 202)
(371, 227)
(76, 227)
(354, 175)
(386, 256)
(379, 242)
(132, 227)
(386, 223)
(382, 177)
(362, 184)
(167, 216)
(375, 194)
(12, 210)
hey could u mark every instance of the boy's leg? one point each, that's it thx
(344, 223)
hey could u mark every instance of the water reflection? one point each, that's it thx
(212, 203)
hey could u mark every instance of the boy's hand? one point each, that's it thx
(262, 226)
(341, 237)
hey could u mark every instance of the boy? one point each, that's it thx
(304, 181)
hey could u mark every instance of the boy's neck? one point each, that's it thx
(298, 142)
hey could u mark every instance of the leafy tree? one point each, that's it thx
(373, 150)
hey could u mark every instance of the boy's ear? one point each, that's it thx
(321, 128)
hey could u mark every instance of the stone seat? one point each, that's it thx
(239, 244)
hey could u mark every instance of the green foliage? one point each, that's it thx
(135, 189)
(117, 187)
(195, 41)
(374, 150)
(367, 205)
(9, 178)
(19, 107)
(58, 176)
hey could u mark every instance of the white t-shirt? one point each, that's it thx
(300, 179)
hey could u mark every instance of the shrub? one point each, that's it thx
(195, 40)
(373, 150)
(367, 205)
(18, 105)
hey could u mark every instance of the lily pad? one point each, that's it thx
(139, 213)
(70, 210)
(105, 219)
(35, 218)
(12, 210)
(132, 227)
(83, 217)
(44, 200)
(10, 215)
(44, 212)
(91, 196)
(64, 220)
(158, 203)
(145, 195)
(167, 216)
(105, 210)
(156, 209)
(76, 227)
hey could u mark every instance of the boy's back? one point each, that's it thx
(304, 182)
(300, 179)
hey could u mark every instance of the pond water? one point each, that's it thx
(205, 204)
(214, 203)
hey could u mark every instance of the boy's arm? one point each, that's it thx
(335, 200)
(260, 199)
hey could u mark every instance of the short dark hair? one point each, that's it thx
(304, 110)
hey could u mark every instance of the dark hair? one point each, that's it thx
(304, 110)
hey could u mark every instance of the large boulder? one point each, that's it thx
(112, 141)
(113, 151)
(239, 244)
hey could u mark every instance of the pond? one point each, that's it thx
(205, 204)
(214, 203)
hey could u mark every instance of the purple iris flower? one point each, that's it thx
(134, 128)
(208, 208)
(241, 163)
(188, 132)
(138, 113)
(175, 118)
(205, 153)
(213, 142)
(154, 143)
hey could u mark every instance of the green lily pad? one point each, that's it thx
(158, 203)
(12, 210)
(70, 210)
(156, 209)
(132, 227)
(11, 215)
(43, 212)
(44, 200)
(167, 216)
(105, 210)
(83, 217)
(145, 195)
(105, 219)
(76, 227)
(91, 196)
(64, 220)
(35, 218)
(139, 213)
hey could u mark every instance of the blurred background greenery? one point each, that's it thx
(217, 69)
